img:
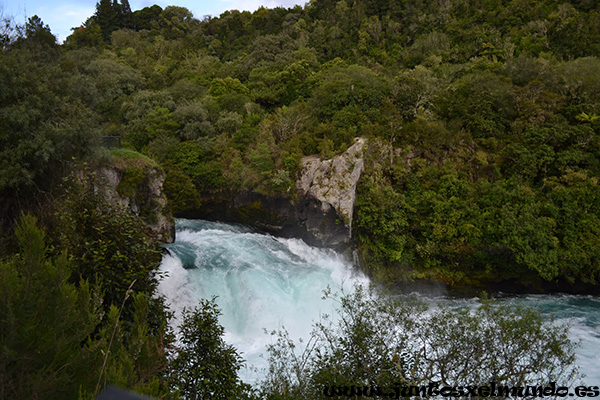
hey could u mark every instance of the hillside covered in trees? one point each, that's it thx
(482, 117)
(483, 156)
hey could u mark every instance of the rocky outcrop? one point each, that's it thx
(320, 212)
(140, 192)
(332, 184)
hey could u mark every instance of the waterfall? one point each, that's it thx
(262, 283)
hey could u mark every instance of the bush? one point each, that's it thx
(45, 321)
(107, 242)
(206, 367)
(383, 340)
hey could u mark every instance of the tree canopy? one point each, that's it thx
(481, 165)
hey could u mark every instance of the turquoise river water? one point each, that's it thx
(264, 283)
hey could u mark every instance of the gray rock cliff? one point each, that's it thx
(143, 197)
(320, 212)
(332, 184)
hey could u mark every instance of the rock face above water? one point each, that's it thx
(331, 184)
(143, 196)
(320, 213)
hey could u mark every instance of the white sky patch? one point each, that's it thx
(64, 17)
(60, 16)
(241, 5)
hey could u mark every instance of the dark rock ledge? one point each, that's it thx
(320, 212)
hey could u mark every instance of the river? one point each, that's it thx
(266, 283)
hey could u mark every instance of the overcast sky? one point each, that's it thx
(62, 15)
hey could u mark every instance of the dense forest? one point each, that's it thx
(483, 157)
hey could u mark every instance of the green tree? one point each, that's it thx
(351, 86)
(193, 119)
(482, 102)
(261, 158)
(382, 340)
(175, 22)
(46, 321)
(108, 243)
(36, 31)
(205, 366)
(43, 124)
(180, 190)
(113, 81)
(161, 123)
(107, 16)
(145, 18)
(127, 20)
(87, 35)
(381, 225)
(574, 205)
(132, 353)
(414, 92)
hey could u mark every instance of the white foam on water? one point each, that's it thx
(580, 312)
(262, 283)
(267, 283)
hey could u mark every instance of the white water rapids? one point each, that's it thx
(262, 282)
(266, 283)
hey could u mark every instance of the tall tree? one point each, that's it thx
(144, 18)
(36, 30)
(126, 15)
(108, 17)
(45, 321)
(206, 366)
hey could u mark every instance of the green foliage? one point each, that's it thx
(350, 86)
(381, 225)
(122, 157)
(56, 341)
(194, 159)
(220, 87)
(229, 122)
(578, 82)
(484, 103)
(133, 177)
(148, 114)
(45, 321)
(489, 110)
(109, 16)
(193, 118)
(175, 22)
(205, 366)
(376, 339)
(108, 243)
(161, 122)
(261, 158)
(113, 80)
(43, 124)
(133, 352)
(37, 32)
(180, 190)
(87, 35)
(145, 18)
(434, 222)
(574, 206)
(415, 91)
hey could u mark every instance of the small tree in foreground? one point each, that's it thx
(206, 367)
(46, 322)
(385, 341)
